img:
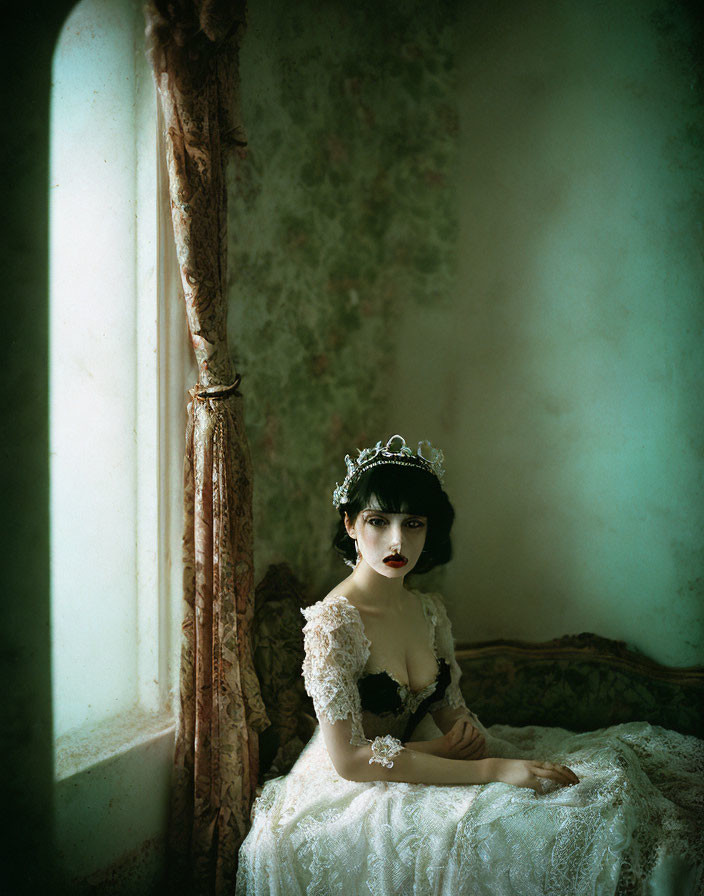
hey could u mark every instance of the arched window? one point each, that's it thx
(118, 362)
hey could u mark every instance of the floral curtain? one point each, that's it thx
(194, 52)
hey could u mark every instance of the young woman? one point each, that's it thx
(502, 815)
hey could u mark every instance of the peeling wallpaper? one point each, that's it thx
(343, 220)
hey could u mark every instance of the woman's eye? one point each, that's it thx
(415, 524)
(376, 521)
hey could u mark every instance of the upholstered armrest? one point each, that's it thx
(277, 643)
(579, 682)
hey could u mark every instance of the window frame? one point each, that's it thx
(164, 366)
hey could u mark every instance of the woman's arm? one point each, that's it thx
(409, 765)
(415, 767)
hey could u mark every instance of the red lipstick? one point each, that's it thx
(396, 561)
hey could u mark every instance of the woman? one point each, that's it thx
(504, 815)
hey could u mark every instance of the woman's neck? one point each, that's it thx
(384, 593)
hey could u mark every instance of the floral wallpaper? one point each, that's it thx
(342, 218)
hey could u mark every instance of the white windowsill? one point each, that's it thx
(86, 748)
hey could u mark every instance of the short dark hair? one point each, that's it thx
(401, 488)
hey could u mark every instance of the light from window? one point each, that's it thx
(108, 632)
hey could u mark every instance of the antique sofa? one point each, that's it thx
(579, 682)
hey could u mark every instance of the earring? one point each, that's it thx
(352, 564)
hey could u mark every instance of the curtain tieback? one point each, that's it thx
(202, 393)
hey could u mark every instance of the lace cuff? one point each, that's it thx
(385, 749)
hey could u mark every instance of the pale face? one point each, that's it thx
(390, 543)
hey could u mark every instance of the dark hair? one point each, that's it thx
(401, 488)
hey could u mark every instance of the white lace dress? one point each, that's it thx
(631, 826)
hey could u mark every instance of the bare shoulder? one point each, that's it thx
(345, 590)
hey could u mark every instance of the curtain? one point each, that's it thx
(194, 52)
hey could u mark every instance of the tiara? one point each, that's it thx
(428, 458)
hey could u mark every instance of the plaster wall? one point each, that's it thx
(481, 225)
(567, 379)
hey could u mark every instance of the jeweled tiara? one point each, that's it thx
(428, 458)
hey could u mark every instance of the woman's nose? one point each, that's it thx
(396, 537)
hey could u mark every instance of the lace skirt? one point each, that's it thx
(631, 826)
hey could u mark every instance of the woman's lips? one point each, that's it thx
(396, 561)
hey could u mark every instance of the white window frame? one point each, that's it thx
(164, 368)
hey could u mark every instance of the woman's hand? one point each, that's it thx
(540, 776)
(463, 741)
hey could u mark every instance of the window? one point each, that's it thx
(118, 374)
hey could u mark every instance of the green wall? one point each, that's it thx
(480, 224)
(579, 372)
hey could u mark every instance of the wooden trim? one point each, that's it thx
(585, 646)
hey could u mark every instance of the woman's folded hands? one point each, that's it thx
(463, 741)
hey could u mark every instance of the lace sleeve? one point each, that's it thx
(336, 650)
(445, 646)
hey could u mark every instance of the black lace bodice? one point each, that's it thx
(381, 694)
(336, 655)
